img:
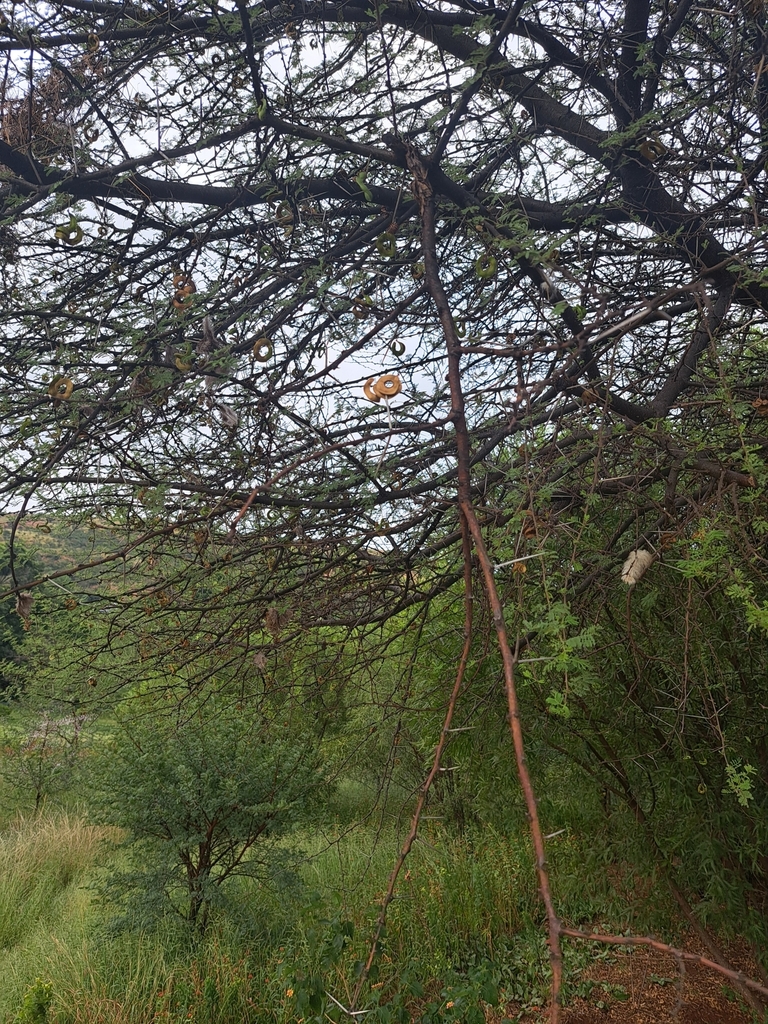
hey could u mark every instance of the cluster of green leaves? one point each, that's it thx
(203, 793)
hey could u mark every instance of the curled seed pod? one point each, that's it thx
(461, 328)
(388, 386)
(183, 362)
(184, 282)
(652, 149)
(361, 307)
(397, 348)
(92, 43)
(417, 271)
(69, 234)
(262, 350)
(386, 245)
(486, 266)
(61, 388)
(530, 525)
(370, 394)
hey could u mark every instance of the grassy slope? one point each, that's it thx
(465, 903)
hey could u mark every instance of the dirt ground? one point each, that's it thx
(657, 994)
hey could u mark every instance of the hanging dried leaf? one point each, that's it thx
(24, 603)
(275, 620)
(636, 566)
(229, 417)
(207, 342)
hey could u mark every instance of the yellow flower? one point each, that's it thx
(449, 1004)
(289, 992)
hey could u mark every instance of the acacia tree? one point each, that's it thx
(358, 301)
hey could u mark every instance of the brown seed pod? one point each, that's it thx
(370, 394)
(388, 386)
(184, 283)
(61, 388)
(652, 149)
(531, 525)
(262, 350)
(761, 406)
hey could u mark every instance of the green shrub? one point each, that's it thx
(203, 800)
(36, 1003)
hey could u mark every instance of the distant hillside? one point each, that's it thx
(50, 545)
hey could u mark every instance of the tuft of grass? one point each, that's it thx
(40, 858)
(466, 916)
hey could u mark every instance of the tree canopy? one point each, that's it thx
(325, 310)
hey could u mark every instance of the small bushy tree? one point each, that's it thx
(203, 799)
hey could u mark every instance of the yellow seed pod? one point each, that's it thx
(183, 362)
(370, 394)
(61, 388)
(388, 386)
(262, 350)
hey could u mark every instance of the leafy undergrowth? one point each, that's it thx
(463, 936)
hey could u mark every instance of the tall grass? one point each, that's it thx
(460, 900)
(40, 859)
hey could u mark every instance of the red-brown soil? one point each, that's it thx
(657, 993)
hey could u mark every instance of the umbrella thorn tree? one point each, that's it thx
(202, 800)
(322, 316)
